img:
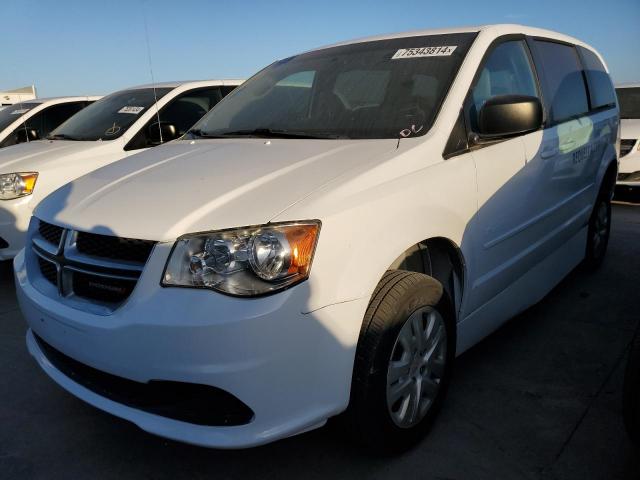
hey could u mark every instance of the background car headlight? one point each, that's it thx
(15, 185)
(245, 261)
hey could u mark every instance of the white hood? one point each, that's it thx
(57, 161)
(40, 155)
(191, 186)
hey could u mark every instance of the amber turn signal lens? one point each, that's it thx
(29, 180)
(302, 241)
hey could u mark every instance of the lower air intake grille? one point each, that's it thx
(186, 402)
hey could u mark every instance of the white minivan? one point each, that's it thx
(629, 101)
(35, 119)
(328, 238)
(119, 125)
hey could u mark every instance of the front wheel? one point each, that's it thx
(403, 361)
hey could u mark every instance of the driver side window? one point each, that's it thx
(507, 71)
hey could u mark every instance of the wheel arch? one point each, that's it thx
(440, 258)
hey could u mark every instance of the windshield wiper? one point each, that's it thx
(197, 133)
(62, 136)
(274, 133)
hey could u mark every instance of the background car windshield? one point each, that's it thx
(109, 117)
(365, 90)
(11, 113)
(629, 99)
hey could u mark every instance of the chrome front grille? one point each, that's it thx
(100, 269)
(51, 233)
(115, 248)
(48, 270)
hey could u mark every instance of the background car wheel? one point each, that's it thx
(631, 394)
(599, 230)
(403, 361)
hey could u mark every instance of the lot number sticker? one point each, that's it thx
(443, 51)
(131, 109)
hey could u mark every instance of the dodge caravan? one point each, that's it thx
(328, 238)
(629, 101)
(119, 125)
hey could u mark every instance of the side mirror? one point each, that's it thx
(26, 135)
(168, 131)
(507, 115)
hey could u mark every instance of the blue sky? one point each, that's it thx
(94, 47)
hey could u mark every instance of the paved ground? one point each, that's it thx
(538, 399)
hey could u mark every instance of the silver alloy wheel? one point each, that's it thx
(416, 367)
(600, 227)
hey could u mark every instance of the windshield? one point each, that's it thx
(377, 89)
(11, 113)
(109, 117)
(629, 100)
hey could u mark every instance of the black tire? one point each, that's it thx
(631, 393)
(598, 234)
(398, 295)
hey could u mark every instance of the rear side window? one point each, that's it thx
(562, 81)
(601, 90)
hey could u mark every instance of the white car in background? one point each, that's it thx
(629, 101)
(328, 238)
(119, 125)
(35, 119)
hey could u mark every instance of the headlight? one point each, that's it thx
(15, 185)
(245, 261)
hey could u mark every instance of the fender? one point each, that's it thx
(437, 201)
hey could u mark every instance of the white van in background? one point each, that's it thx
(35, 119)
(121, 124)
(629, 101)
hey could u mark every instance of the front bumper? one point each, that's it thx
(14, 222)
(292, 369)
